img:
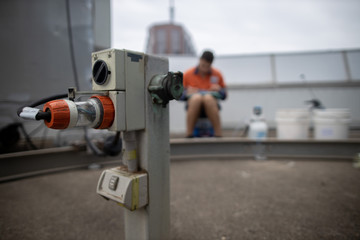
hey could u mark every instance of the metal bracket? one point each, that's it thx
(164, 88)
(73, 93)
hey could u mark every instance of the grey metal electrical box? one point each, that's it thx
(127, 189)
(119, 71)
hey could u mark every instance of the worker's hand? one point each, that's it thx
(191, 90)
(215, 87)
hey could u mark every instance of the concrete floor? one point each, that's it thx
(217, 199)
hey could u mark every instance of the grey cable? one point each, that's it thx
(71, 43)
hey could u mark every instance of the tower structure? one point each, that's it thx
(169, 38)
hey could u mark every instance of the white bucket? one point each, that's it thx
(292, 124)
(331, 123)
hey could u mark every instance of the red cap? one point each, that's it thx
(60, 114)
(109, 111)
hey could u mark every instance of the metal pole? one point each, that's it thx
(346, 66)
(153, 221)
(273, 70)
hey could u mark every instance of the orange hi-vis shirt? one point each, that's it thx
(192, 78)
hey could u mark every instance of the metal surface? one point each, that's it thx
(36, 162)
(30, 163)
(40, 62)
(271, 148)
(294, 85)
(282, 68)
(153, 222)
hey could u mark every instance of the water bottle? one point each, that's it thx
(258, 131)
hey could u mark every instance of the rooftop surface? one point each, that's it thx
(210, 199)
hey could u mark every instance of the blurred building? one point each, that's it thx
(169, 39)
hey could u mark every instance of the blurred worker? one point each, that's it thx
(204, 86)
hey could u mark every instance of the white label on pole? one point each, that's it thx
(29, 113)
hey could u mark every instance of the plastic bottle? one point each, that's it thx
(257, 128)
(258, 131)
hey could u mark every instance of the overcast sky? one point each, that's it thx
(243, 26)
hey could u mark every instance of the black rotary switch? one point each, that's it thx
(100, 72)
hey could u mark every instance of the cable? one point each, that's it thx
(71, 43)
(112, 145)
(41, 101)
(47, 115)
(92, 146)
(47, 99)
(116, 139)
(40, 115)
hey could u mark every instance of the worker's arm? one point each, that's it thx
(221, 94)
(218, 89)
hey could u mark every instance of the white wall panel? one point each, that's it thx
(317, 67)
(354, 64)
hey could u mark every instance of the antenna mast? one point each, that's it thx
(172, 11)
